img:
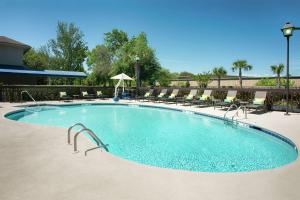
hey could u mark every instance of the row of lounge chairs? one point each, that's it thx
(258, 102)
(85, 95)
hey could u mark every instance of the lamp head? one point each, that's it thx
(136, 58)
(288, 29)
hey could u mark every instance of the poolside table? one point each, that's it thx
(243, 103)
(215, 102)
(76, 96)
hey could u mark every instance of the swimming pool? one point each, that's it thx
(171, 138)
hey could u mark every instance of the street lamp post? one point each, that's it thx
(137, 73)
(287, 31)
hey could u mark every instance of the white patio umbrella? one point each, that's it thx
(121, 78)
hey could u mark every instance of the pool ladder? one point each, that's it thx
(84, 129)
(236, 112)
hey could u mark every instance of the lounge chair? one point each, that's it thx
(258, 101)
(86, 95)
(189, 98)
(64, 97)
(172, 97)
(147, 95)
(230, 98)
(100, 95)
(205, 98)
(161, 95)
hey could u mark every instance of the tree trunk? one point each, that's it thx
(219, 82)
(278, 80)
(137, 75)
(240, 77)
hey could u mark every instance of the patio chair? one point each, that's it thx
(100, 95)
(204, 99)
(229, 100)
(258, 101)
(147, 95)
(161, 95)
(172, 96)
(189, 98)
(86, 95)
(64, 97)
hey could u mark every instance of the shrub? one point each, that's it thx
(272, 82)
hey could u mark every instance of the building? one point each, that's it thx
(13, 71)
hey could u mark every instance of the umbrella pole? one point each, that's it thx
(123, 86)
(116, 87)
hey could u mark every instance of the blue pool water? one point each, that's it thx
(171, 139)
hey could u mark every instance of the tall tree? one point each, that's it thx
(277, 69)
(100, 61)
(125, 62)
(114, 40)
(219, 72)
(164, 77)
(69, 48)
(37, 58)
(241, 65)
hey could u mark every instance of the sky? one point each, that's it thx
(190, 35)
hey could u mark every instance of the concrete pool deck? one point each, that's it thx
(37, 163)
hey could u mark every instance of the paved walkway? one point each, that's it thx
(36, 163)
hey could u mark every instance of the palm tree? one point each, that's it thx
(277, 69)
(219, 72)
(203, 79)
(241, 65)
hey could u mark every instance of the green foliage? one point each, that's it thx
(187, 74)
(187, 84)
(90, 80)
(175, 75)
(66, 52)
(100, 62)
(69, 48)
(125, 59)
(277, 69)
(117, 55)
(241, 65)
(203, 78)
(273, 82)
(164, 77)
(114, 40)
(219, 72)
(37, 58)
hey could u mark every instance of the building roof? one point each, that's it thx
(26, 71)
(8, 41)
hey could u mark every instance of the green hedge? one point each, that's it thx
(275, 98)
(47, 93)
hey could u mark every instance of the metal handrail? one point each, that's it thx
(237, 112)
(71, 127)
(25, 91)
(230, 107)
(100, 144)
(31, 97)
